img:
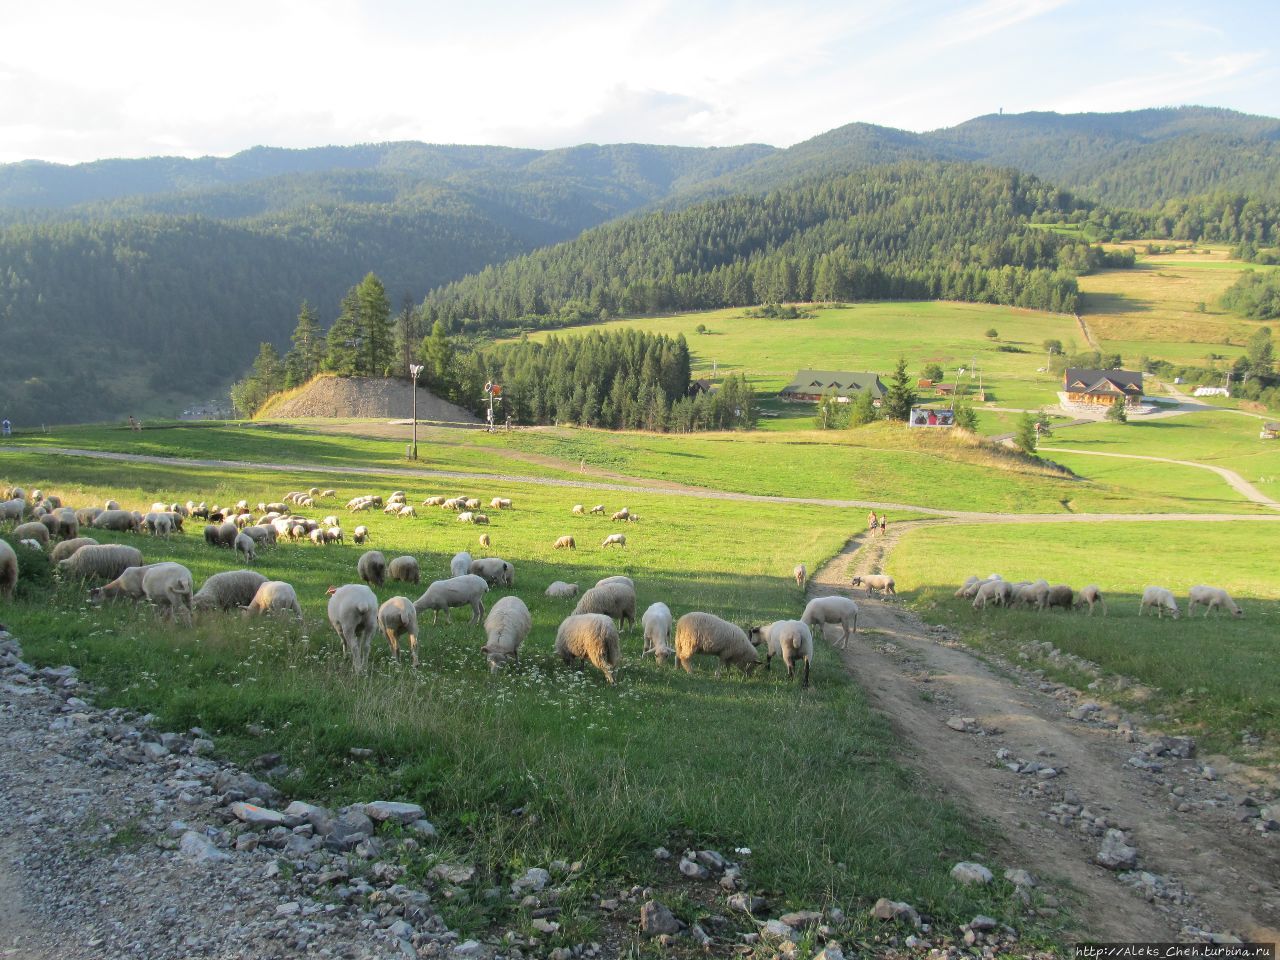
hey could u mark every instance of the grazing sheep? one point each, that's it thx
(657, 623)
(35, 530)
(790, 639)
(615, 600)
(565, 543)
(399, 618)
(227, 534)
(500, 503)
(274, 596)
(407, 512)
(47, 520)
(211, 536)
(801, 574)
(158, 524)
(168, 586)
(433, 501)
(111, 505)
(68, 524)
(261, 535)
(1060, 595)
(591, 637)
(472, 503)
(470, 517)
(86, 515)
(246, 548)
(706, 633)
(332, 535)
(561, 590)
(360, 534)
(496, 571)
(404, 569)
(598, 508)
(67, 547)
(993, 592)
(100, 561)
(8, 570)
(318, 538)
(1091, 595)
(1211, 598)
(876, 581)
(227, 590)
(835, 609)
(372, 567)
(506, 627)
(579, 509)
(617, 578)
(968, 588)
(614, 539)
(484, 540)
(1161, 599)
(621, 514)
(460, 564)
(13, 509)
(467, 590)
(353, 612)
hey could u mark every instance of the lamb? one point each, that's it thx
(500, 503)
(100, 561)
(621, 514)
(398, 617)
(35, 530)
(561, 590)
(353, 612)
(246, 548)
(876, 581)
(791, 639)
(706, 633)
(506, 627)
(274, 596)
(460, 564)
(801, 574)
(1060, 595)
(1091, 595)
(404, 569)
(227, 590)
(8, 570)
(372, 567)
(360, 534)
(997, 592)
(591, 637)
(484, 540)
(835, 610)
(1211, 598)
(496, 571)
(657, 623)
(614, 539)
(579, 509)
(1161, 599)
(467, 590)
(67, 547)
(565, 543)
(616, 600)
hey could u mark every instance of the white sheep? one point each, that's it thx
(562, 590)
(614, 539)
(621, 514)
(111, 505)
(263, 536)
(246, 548)
(1161, 599)
(658, 624)
(617, 578)
(168, 586)
(790, 639)
(495, 570)
(506, 627)
(67, 547)
(353, 612)
(993, 592)
(13, 510)
(399, 618)
(404, 569)
(876, 581)
(8, 570)
(460, 564)
(372, 567)
(273, 596)
(616, 600)
(800, 574)
(1212, 598)
(100, 561)
(706, 633)
(968, 588)
(406, 512)
(228, 590)
(500, 503)
(598, 508)
(579, 509)
(565, 543)
(484, 540)
(1091, 595)
(843, 611)
(85, 516)
(360, 534)
(467, 590)
(35, 530)
(317, 537)
(433, 501)
(591, 637)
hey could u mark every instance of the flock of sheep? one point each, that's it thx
(998, 592)
(589, 633)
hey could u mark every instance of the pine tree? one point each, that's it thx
(375, 320)
(436, 354)
(902, 394)
(307, 354)
(1026, 436)
(345, 339)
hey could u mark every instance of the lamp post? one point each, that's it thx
(415, 369)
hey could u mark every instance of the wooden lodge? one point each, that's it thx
(1102, 387)
(809, 386)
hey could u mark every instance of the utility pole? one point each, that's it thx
(415, 369)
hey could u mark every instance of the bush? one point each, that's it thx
(1116, 413)
(993, 333)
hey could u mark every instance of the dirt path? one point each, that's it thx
(700, 493)
(18, 936)
(1237, 482)
(921, 676)
(1087, 333)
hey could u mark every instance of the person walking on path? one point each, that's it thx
(6, 427)
(884, 524)
(871, 520)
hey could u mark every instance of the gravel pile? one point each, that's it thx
(365, 397)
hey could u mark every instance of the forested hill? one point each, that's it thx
(918, 231)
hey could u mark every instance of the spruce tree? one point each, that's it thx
(902, 394)
(345, 339)
(307, 354)
(375, 320)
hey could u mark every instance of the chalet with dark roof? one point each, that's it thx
(1102, 387)
(810, 385)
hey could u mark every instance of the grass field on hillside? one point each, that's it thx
(606, 774)
(1214, 678)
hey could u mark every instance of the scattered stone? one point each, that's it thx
(962, 724)
(201, 747)
(424, 828)
(700, 937)
(831, 951)
(1020, 878)
(345, 832)
(801, 919)
(1115, 854)
(199, 848)
(982, 923)
(360, 753)
(534, 879)
(971, 873)
(776, 930)
(746, 903)
(155, 751)
(656, 919)
(693, 869)
(662, 853)
(886, 909)
(452, 872)
(543, 925)
(256, 816)
(384, 811)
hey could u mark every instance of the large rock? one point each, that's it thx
(800, 919)
(886, 909)
(776, 930)
(746, 902)
(534, 879)
(656, 919)
(256, 816)
(200, 849)
(390, 810)
(971, 873)
(1115, 854)
(344, 832)
(227, 781)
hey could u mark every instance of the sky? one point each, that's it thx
(82, 80)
